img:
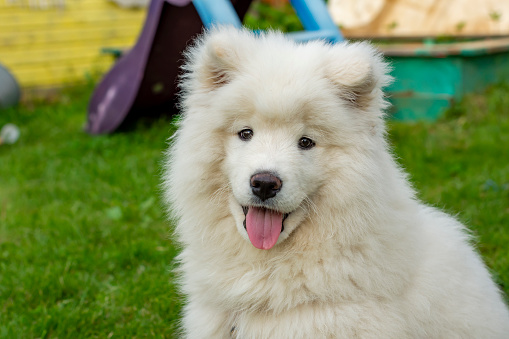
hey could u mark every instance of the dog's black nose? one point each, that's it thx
(265, 185)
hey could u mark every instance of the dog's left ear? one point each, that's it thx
(359, 73)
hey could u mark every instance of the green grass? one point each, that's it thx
(461, 164)
(84, 245)
(262, 16)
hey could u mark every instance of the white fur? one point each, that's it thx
(360, 256)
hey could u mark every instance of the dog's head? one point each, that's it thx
(275, 125)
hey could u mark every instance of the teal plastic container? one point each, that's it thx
(429, 77)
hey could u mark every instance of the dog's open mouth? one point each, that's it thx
(263, 226)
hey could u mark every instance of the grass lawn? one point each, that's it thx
(84, 245)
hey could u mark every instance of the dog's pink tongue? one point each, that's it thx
(263, 227)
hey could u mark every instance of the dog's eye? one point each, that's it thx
(306, 143)
(246, 134)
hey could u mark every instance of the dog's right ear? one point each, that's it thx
(218, 59)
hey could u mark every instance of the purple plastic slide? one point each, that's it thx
(143, 81)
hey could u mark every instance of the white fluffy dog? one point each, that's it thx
(294, 218)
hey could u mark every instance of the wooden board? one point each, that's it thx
(418, 18)
(61, 43)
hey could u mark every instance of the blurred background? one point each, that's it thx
(87, 93)
(46, 43)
